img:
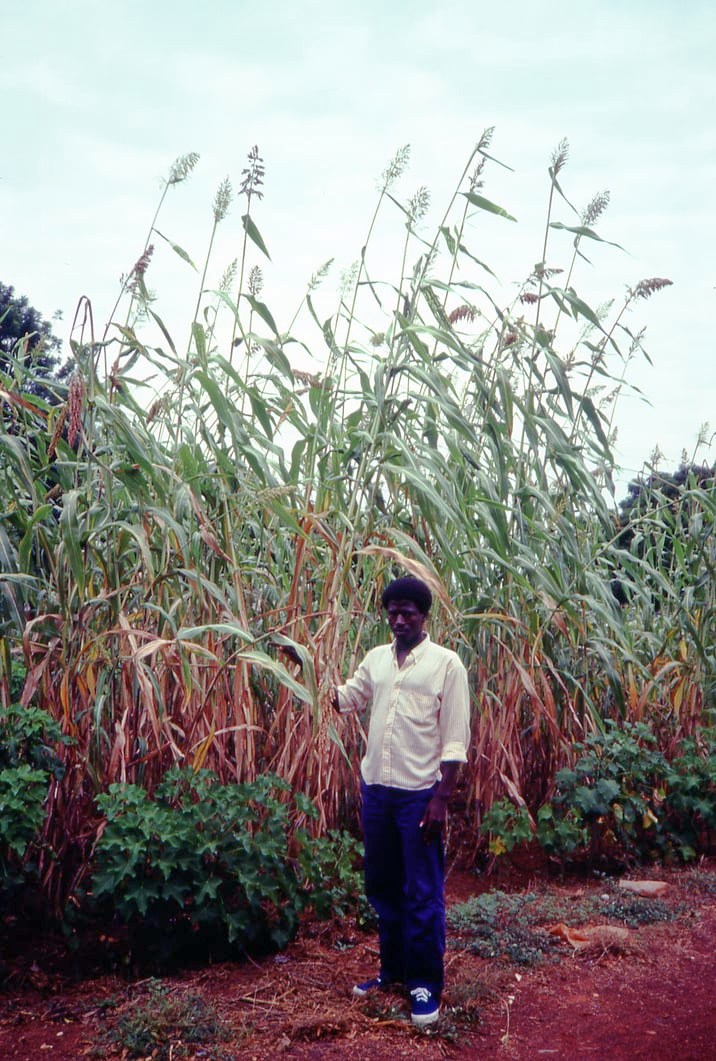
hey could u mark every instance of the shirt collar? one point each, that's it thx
(417, 651)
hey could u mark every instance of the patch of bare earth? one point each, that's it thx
(650, 999)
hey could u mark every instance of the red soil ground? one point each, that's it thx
(654, 999)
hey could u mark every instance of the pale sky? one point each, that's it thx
(101, 97)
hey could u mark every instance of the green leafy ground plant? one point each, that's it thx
(29, 744)
(216, 866)
(621, 798)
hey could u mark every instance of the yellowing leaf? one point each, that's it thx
(65, 693)
(679, 695)
(633, 694)
(202, 750)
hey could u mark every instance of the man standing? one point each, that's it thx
(418, 735)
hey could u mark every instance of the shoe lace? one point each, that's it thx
(420, 994)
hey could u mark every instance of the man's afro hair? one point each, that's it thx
(408, 588)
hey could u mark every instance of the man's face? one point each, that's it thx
(406, 621)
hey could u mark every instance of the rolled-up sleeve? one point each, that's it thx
(455, 714)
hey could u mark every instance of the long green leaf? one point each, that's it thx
(486, 204)
(585, 231)
(254, 235)
(263, 311)
(177, 250)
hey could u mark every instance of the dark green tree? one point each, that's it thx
(664, 519)
(660, 497)
(27, 340)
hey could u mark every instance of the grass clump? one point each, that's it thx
(702, 881)
(514, 927)
(634, 912)
(162, 1025)
(497, 925)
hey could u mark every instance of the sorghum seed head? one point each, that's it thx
(475, 177)
(222, 200)
(57, 433)
(486, 139)
(319, 274)
(418, 205)
(464, 312)
(253, 175)
(142, 263)
(396, 167)
(229, 275)
(646, 288)
(256, 281)
(154, 410)
(181, 167)
(596, 208)
(74, 402)
(559, 157)
(348, 279)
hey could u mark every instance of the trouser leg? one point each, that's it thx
(405, 884)
(383, 869)
(423, 895)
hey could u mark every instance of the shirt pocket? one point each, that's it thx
(421, 710)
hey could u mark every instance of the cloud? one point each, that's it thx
(329, 91)
(31, 79)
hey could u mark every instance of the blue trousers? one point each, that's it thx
(405, 885)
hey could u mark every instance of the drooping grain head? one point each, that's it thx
(252, 176)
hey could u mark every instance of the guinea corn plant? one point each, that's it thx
(186, 577)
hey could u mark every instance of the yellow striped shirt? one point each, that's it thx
(419, 713)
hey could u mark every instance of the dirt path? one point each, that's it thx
(654, 999)
(658, 1005)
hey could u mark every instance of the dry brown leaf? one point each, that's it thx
(592, 936)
